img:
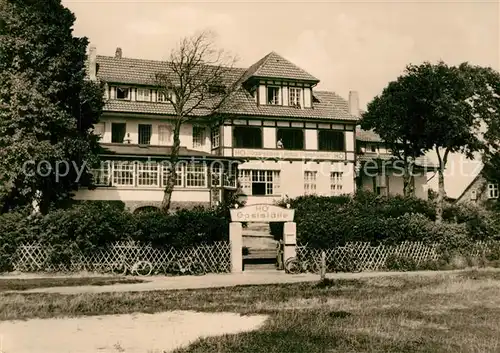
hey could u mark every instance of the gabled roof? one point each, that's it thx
(275, 66)
(367, 135)
(476, 179)
(140, 71)
(326, 105)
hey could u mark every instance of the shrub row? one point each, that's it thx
(325, 222)
(90, 225)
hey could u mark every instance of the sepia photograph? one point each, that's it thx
(249, 176)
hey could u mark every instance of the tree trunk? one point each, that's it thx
(441, 191)
(172, 175)
(45, 201)
(440, 197)
(408, 181)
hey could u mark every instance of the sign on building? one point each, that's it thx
(262, 213)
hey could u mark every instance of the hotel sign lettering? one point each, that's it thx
(262, 213)
(285, 154)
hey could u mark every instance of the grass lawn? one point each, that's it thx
(447, 313)
(9, 284)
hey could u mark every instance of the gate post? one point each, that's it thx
(236, 240)
(289, 240)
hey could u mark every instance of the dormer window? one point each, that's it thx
(123, 93)
(143, 95)
(164, 97)
(295, 97)
(273, 95)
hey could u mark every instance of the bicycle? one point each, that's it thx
(139, 268)
(297, 264)
(185, 266)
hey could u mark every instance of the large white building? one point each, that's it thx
(288, 138)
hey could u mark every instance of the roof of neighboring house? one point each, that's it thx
(367, 135)
(423, 161)
(326, 105)
(274, 65)
(477, 178)
(111, 149)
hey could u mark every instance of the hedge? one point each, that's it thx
(89, 225)
(330, 221)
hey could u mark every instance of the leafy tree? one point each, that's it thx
(200, 85)
(394, 117)
(47, 107)
(443, 106)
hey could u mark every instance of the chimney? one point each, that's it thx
(354, 103)
(118, 53)
(92, 63)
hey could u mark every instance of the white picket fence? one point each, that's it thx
(215, 258)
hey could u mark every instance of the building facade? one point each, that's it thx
(283, 138)
(480, 191)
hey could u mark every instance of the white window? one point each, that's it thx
(273, 95)
(215, 132)
(143, 94)
(164, 134)
(123, 173)
(198, 136)
(164, 96)
(179, 174)
(216, 174)
(492, 191)
(260, 182)
(230, 178)
(147, 174)
(196, 175)
(295, 97)
(123, 93)
(335, 183)
(101, 176)
(309, 183)
(99, 129)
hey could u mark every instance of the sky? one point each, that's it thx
(356, 45)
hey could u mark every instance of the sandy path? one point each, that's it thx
(224, 280)
(141, 333)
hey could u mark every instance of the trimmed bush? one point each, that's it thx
(324, 221)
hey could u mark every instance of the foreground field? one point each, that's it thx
(446, 313)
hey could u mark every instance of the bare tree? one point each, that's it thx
(201, 84)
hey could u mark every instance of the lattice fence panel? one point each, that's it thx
(365, 257)
(35, 257)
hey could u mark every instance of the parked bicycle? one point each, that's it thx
(135, 267)
(186, 265)
(302, 264)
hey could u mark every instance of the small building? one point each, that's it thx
(282, 138)
(480, 191)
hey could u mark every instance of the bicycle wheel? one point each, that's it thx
(143, 268)
(314, 267)
(119, 269)
(171, 268)
(197, 269)
(292, 266)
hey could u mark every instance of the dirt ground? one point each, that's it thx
(141, 333)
